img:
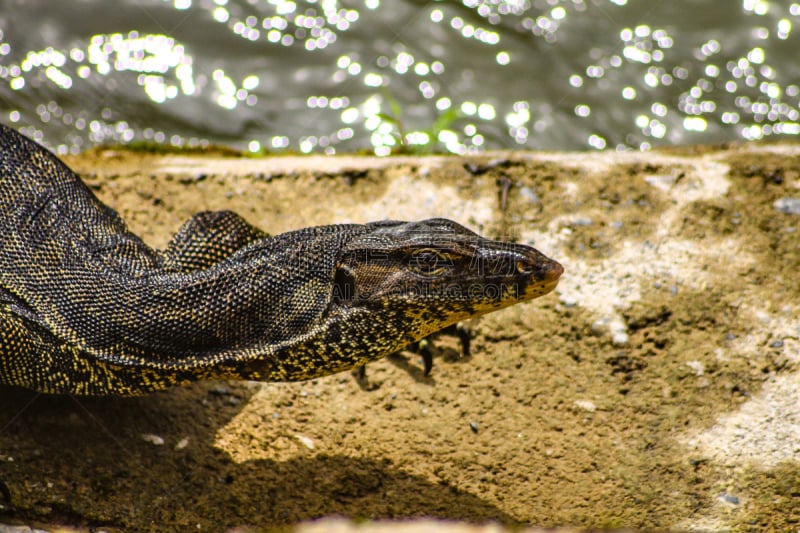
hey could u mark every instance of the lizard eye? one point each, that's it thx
(428, 262)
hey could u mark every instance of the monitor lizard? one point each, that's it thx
(87, 308)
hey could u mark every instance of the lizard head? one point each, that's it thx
(339, 296)
(427, 275)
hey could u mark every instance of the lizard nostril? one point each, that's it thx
(545, 269)
(555, 270)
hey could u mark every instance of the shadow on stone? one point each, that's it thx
(149, 463)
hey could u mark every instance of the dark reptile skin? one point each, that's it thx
(87, 308)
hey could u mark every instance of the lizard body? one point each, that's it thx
(87, 308)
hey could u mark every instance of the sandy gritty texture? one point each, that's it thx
(657, 388)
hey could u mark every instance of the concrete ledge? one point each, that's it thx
(657, 389)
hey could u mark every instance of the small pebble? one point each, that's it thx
(663, 181)
(183, 443)
(697, 366)
(620, 338)
(790, 206)
(569, 300)
(153, 439)
(585, 405)
(19, 529)
(307, 442)
(728, 499)
(473, 426)
(777, 344)
(600, 326)
(220, 390)
(529, 195)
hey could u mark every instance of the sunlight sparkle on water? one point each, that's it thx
(299, 76)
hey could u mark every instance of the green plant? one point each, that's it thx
(402, 135)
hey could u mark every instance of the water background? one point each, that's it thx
(383, 75)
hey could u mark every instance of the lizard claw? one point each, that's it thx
(425, 351)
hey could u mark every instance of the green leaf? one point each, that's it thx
(394, 105)
(388, 118)
(444, 121)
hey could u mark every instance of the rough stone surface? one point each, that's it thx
(662, 374)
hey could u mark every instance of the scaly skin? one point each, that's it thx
(87, 308)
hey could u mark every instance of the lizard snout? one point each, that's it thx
(541, 272)
(548, 271)
(539, 266)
